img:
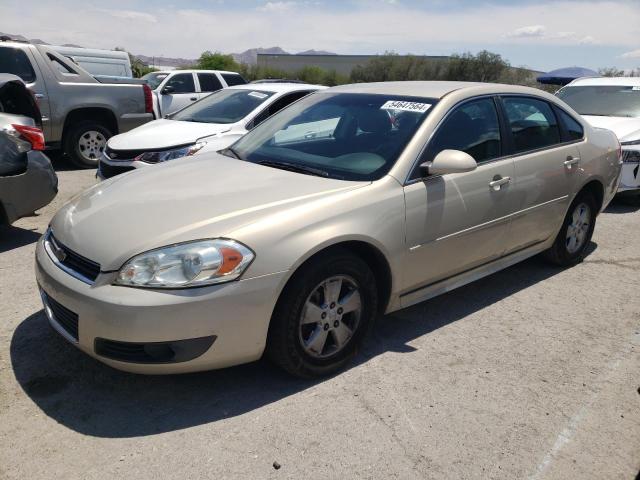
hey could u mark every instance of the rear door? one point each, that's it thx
(546, 167)
(183, 92)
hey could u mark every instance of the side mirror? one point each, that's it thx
(168, 90)
(449, 161)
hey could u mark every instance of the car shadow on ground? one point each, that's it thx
(94, 399)
(61, 162)
(623, 205)
(14, 237)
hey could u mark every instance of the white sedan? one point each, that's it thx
(210, 124)
(614, 104)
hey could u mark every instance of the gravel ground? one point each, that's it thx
(531, 373)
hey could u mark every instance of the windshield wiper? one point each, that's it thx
(292, 167)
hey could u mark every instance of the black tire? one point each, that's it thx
(284, 342)
(72, 145)
(559, 253)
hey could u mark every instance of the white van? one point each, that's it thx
(111, 63)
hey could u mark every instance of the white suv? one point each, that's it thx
(175, 90)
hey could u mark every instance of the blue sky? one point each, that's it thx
(543, 34)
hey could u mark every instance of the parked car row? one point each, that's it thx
(351, 202)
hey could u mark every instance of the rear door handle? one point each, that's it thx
(570, 161)
(496, 184)
(193, 99)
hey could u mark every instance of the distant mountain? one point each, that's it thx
(250, 56)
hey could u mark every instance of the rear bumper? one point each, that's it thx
(23, 194)
(131, 328)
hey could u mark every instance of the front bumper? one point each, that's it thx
(234, 316)
(630, 177)
(108, 168)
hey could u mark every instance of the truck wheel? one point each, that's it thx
(85, 142)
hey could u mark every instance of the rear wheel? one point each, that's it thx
(85, 142)
(323, 315)
(571, 244)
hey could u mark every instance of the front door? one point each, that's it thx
(183, 93)
(457, 222)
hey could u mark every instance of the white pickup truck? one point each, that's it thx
(174, 90)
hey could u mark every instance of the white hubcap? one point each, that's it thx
(91, 145)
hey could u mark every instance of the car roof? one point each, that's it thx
(196, 71)
(432, 89)
(613, 81)
(278, 87)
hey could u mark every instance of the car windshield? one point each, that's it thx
(339, 135)
(154, 79)
(224, 106)
(604, 100)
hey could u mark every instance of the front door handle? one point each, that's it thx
(497, 184)
(570, 161)
(193, 99)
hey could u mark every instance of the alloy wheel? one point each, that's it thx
(91, 144)
(578, 228)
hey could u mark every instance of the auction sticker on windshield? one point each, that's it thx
(406, 106)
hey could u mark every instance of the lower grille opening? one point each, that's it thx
(108, 171)
(64, 317)
(153, 352)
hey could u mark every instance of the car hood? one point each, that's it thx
(165, 133)
(207, 196)
(627, 129)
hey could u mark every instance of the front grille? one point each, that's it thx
(73, 261)
(123, 155)
(631, 156)
(108, 171)
(64, 317)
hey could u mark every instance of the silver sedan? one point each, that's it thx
(353, 202)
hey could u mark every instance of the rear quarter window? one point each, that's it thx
(233, 79)
(16, 62)
(572, 129)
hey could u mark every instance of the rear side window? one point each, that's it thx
(209, 82)
(182, 83)
(573, 130)
(233, 79)
(533, 123)
(473, 128)
(16, 62)
(61, 66)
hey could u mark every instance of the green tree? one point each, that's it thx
(217, 61)
(611, 72)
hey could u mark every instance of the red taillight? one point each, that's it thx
(33, 134)
(148, 98)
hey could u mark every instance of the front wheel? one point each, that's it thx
(570, 246)
(323, 315)
(85, 142)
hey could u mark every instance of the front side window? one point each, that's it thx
(223, 106)
(603, 100)
(532, 122)
(16, 62)
(181, 83)
(472, 128)
(209, 82)
(154, 79)
(349, 136)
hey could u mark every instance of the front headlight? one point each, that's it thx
(166, 155)
(190, 264)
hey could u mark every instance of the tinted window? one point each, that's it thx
(573, 129)
(604, 100)
(60, 66)
(223, 106)
(473, 128)
(348, 136)
(16, 62)
(233, 79)
(181, 83)
(276, 106)
(533, 123)
(209, 82)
